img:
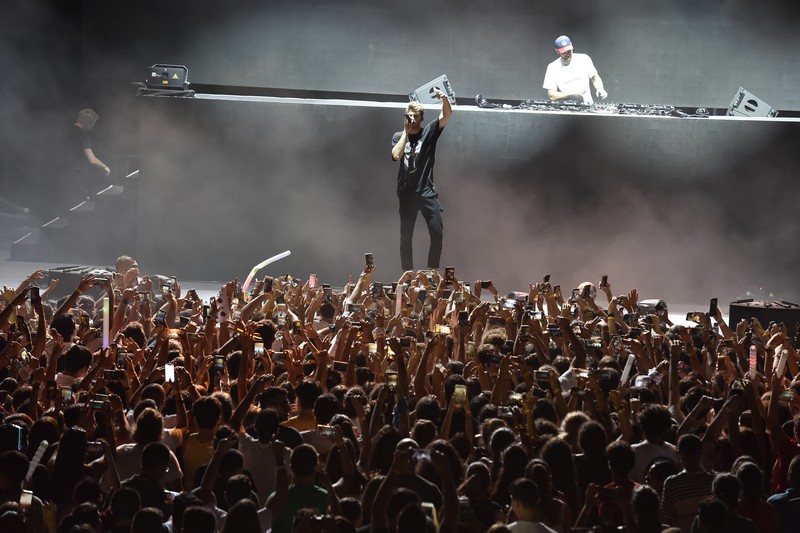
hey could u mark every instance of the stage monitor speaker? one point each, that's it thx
(68, 278)
(766, 311)
(168, 77)
(425, 94)
(746, 104)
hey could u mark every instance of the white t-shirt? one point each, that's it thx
(173, 439)
(647, 452)
(571, 78)
(320, 443)
(259, 460)
(65, 380)
(523, 526)
(128, 459)
(169, 421)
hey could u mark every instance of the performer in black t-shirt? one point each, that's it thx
(82, 159)
(415, 189)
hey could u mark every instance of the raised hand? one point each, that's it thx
(87, 282)
(633, 298)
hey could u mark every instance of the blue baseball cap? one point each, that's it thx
(563, 44)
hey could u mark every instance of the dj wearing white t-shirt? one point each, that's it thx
(567, 78)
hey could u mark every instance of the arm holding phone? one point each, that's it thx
(500, 389)
(605, 286)
(674, 398)
(624, 415)
(87, 282)
(323, 360)
(248, 351)
(420, 378)
(28, 282)
(363, 280)
(106, 356)
(575, 344)
(206, 491)
(553, 308)
(254, 305)
(120, 314)
(247, 401)
(40, 340)
(727, 332)
(7, 311)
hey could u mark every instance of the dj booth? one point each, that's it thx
(682, 207)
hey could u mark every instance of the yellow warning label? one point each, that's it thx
(164, 82)
(174, 76)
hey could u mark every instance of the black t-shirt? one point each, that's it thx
(427, 491)
(150, 492)
(415, 176)
(76, 142)
(287, 435)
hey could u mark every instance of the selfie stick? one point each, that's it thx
(261, 265)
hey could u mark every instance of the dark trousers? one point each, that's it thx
(432, 212)
(83, 183)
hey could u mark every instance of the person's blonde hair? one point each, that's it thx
(416, 107)
(87, 117)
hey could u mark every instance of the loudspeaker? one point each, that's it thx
(746, 104)
(425, 94)
(766, 311)
(69, 276)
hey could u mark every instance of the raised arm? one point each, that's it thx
(111, 465)
(40, 340)
(87, 282)
(449, 493)
(210, 475)
(380, 506)
(120, 314)
(278, 499)
(674, 400)
(241, 410)
(6, 312)
(447, 111)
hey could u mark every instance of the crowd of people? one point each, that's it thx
(425, 404)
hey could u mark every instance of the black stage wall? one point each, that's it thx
(681, 208)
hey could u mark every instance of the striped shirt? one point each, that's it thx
(682, 494)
